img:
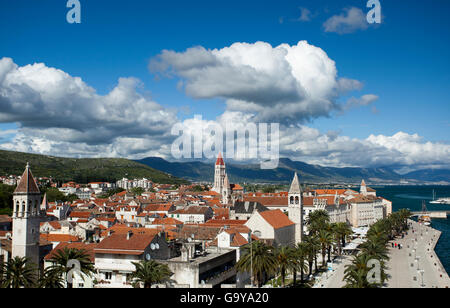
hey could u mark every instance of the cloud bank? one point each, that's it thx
(58, 114)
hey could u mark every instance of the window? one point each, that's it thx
(108, 276)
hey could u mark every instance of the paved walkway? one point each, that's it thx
(417, 259)
(403, 267)
(335, 279)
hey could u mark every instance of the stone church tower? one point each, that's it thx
(295, 208)
(363, 189)
(219, 175)
(26, 218)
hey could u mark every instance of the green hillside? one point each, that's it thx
(81, 170)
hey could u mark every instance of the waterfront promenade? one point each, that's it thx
(417, 265)
(406, 266)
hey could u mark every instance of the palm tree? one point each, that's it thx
(62, 257)
(286, 261)
(262, 259)
(301, 255)
(342, 231)
(375, 248)
(52, 278)
(355, 274)
(325, 239)
(379, 231)
(312, 246)
(317, 221)
(149, 273)
(18, 272)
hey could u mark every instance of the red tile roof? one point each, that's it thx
(119, 244)
(269, 201)
(89, 248)
(59, 238)
(277, 219)
(80, 214)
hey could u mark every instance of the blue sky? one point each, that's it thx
(404, 61)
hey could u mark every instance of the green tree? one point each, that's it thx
(342, 230)
(355, 274)
(301, 255)
(261, 257)
(18, 273)
(286, 261)
(137, 191)
(148, 273)
(317, 220)
(325, 240)
(312, 247)
(61, 259)
(52, 278)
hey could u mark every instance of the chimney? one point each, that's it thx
(129, 234)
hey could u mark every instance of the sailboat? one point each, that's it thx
(439, 201)
(424, 217)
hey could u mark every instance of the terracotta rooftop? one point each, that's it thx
(192, 210)
(269, 201)
(59, 238)
(276, 218)
(89, 248)
(119, 244)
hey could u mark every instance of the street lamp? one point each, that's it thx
(418, 265)
(421, 272)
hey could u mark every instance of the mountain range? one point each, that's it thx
(162, 171)
(83, 170)
(203, 172)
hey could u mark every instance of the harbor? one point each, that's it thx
(416, 265)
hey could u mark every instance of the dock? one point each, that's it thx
(432, 214)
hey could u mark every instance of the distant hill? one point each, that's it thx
(199, 171)
(434, 175)
(81, 170)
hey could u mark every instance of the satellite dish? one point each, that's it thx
(148, 257)
(152, 246)
(157, 246)
(189, 239)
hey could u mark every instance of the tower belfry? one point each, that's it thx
(295, 208)
(219, 175)
(27, 216)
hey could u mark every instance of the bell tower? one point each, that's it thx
(27, 216)
(295, 208)
(219, 175)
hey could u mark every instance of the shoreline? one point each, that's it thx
(441, 268)
(435, 275)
